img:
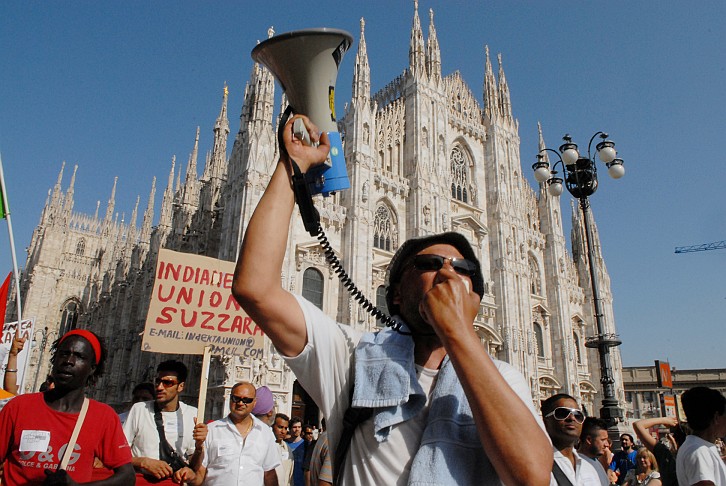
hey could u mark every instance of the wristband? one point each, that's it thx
(8, 370)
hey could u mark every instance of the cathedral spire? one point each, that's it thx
(259, 96)
(168, 199)
(131, 233)
(148, 215)
(215, 168)
(433, 52)
(68, 208)
(56, 199)
(504, 99)
(190, 180)
(490, 89)
(416, 50)
(362, 70)
(111, 203)
(542, 145)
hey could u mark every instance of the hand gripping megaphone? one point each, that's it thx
(305, 63)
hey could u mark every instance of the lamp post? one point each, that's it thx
(580, 178)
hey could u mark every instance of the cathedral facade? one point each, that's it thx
(423, 156)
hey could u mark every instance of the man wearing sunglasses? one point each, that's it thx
(563, 421)
(442, 411)
(166, 419)
(238, 449)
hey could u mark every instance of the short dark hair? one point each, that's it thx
(175, 367)
(625, 434)
(591, 427)
(701, 404)
(295, 420)
(549, 404)
(282, 416)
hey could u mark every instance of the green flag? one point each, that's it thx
(2, 204)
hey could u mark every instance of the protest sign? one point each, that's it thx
(8, 334)
(192, 307)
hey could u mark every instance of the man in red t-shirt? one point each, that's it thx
(36, 428)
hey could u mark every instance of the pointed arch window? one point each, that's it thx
(459, 174)
(313, 286)
(539, 338)
(69, 316)
(385, 233)
(535, 278)
(81, 247)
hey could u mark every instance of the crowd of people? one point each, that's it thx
(419, 403)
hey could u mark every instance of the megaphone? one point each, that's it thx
(305, 63)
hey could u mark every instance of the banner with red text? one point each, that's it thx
(192, 307)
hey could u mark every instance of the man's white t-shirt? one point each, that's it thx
(699, 460)
(140, 430)
(324, 369)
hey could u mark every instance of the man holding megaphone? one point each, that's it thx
(424, 404)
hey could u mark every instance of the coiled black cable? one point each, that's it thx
(311, 219)
(352, 288)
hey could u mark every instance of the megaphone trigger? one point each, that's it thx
(300, 132)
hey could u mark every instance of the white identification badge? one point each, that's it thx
(34, 440)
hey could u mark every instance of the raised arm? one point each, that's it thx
(256, 284)
(503, 420)
(641, 429)
(10, 381)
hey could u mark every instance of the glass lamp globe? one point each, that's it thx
(616, 169)
(555, 188)
(541, 174)
(570, 156)
(607, 154)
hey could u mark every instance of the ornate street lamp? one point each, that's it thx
(580, 178)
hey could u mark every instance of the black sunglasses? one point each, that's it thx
(561, 413)
(432, 263)
(245, 400)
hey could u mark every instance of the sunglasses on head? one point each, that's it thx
(561, 413)
(432, 263)
(168, 383)
(245, 400)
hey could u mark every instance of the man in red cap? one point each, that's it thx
(37, 428)
(467, 428)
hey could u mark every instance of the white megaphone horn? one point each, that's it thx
(305, 63)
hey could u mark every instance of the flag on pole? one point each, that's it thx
(4, 298)
(2, 204)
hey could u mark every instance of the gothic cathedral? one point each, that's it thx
(423, 156)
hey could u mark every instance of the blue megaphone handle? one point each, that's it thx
(326, 179)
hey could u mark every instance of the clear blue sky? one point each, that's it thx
(120, 87)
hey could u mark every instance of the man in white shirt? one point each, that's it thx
(563, 421)
(698, 461)
(239, 449)
(593, 444)
(435, 286)
(284, 470)
(150, 456)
